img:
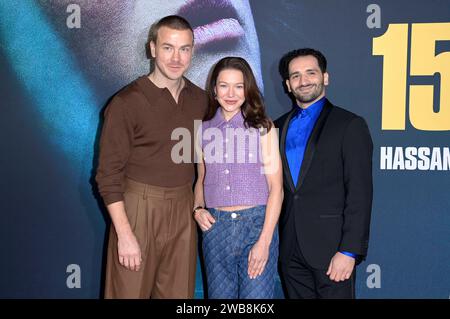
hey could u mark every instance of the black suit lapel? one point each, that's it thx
(286, 170)
(312, 143)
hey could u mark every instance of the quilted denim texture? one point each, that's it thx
(226, 246)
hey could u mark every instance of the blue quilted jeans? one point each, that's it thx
(226, 246)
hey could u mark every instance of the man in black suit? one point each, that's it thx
(327, 162)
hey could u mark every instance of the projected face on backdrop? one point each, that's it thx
(86, 65)
(113, 35)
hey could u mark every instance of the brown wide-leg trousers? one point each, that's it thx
(162, 222)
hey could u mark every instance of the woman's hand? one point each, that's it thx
(257, 259)
(204, 219)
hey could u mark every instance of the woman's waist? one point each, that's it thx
(234, 208)
(241, 212)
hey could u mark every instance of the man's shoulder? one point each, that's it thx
(197, 92)
(199, 98)
(127, 97)
(130, 91)
(196, 89)
(346, 120)
(279, 122)
(341, 114)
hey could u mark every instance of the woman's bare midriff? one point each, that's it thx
(232, 208)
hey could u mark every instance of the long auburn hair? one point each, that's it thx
(253, 109)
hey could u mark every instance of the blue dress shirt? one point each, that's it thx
(299, 130)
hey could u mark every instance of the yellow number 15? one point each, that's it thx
(393, 46)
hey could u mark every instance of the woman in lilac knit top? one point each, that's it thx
(239, 191)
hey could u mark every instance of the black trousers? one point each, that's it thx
(301, 281)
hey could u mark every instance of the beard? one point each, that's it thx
(315, 92)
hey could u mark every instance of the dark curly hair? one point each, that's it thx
(253, 109)
(283, 67)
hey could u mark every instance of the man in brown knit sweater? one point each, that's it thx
(152, 242)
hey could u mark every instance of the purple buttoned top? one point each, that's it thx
(233, 163)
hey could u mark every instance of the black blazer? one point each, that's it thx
(330, 208)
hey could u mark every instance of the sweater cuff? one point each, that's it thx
(112, 198)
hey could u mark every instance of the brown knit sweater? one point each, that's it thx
(136, 137)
